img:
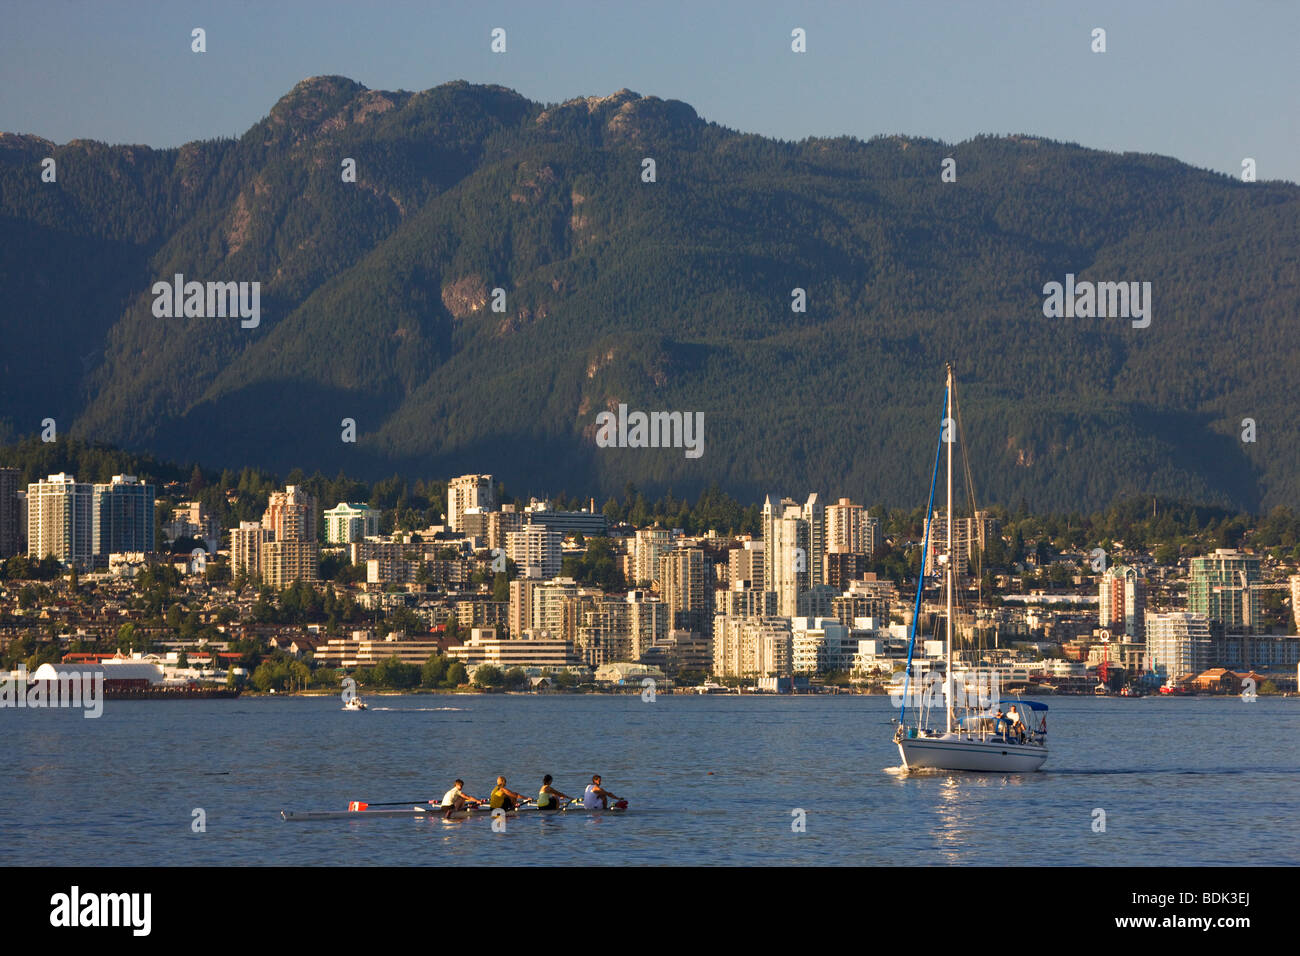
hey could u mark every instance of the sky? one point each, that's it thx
(1206, 82)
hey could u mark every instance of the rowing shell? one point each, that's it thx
(305, 815)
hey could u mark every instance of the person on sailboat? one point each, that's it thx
(999, 722)
(1017, 725)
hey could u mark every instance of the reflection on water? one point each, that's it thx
(711, 780)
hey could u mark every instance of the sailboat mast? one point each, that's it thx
(948, 675)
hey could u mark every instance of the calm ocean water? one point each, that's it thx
(711, 781)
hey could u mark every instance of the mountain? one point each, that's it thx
(376, 302)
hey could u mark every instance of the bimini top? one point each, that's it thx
(1031, 704)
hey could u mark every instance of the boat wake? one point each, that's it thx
(415, 710)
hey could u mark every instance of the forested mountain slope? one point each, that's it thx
(376, 302)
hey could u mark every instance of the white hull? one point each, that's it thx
(951, 752)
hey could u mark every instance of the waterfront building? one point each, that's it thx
(1122, 603)
(1220, 590)
(1269, 652)
(484, 647)
(468, 491)
(362, 649)
(347, 522)
(647, 623)
(1294, 581)
(1178, 644)
(60, 520)
(750, 647)
(123, 516)
(821, 644)
(628, 674)
(679, 651)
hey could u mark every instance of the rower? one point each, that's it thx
(504, 798)
(596, 797)
(548, 798)
(457, 799)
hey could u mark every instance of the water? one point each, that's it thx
(711, 780)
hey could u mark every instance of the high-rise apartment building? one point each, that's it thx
(1178, 645)
(647, 623)
(814, 516)
(745, 647)
(536, 546)
(548, 605)
(846, 528)
(291, 515)
(740, 601)
(1122, 601)
(347, 522)
(469, 491)
(284, 562)
(745, 565)
(123, 517)
(246, 549)
(11, 533)
(61, 520)
(1220, 590)
(786, 547)
(686, 587)
(648, 546)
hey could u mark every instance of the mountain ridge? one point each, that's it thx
(670, 295)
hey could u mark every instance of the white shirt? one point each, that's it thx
(450, 796)
(591, 799)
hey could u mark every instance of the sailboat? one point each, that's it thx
(984, 739)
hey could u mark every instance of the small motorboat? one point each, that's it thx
(354, 703)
